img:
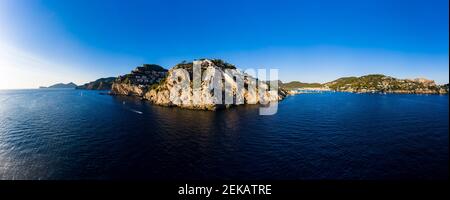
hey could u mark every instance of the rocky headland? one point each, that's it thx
(162, 87)
(156, 85)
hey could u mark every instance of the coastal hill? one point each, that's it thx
(298, 84)
(139, 81)
(386, 84)
(99, 84)
(158, 84)
(61, 85)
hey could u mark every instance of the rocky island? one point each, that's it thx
(155, 84)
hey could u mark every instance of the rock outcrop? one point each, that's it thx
(180, 89)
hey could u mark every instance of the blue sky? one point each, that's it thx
(44, 42)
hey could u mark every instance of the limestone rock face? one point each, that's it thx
(160, 97)
(425, 82)
(127, 89)
(179, 88)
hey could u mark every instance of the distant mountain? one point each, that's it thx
(99, 84)
(61, 85)
(387, 84)
(297, 84)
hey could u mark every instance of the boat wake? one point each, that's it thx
(136, 111)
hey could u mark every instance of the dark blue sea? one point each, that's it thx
(78, 134)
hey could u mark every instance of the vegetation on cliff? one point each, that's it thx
(217, 62)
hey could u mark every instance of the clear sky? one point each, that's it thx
(48, 41)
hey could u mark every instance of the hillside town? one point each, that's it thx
(144, 75)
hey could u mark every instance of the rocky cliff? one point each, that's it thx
(169, 90)
(386, 84)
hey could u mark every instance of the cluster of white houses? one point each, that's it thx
(145, 75)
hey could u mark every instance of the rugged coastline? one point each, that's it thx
(158, 84)
(378, 83)
(155, 84)
(372, 83)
